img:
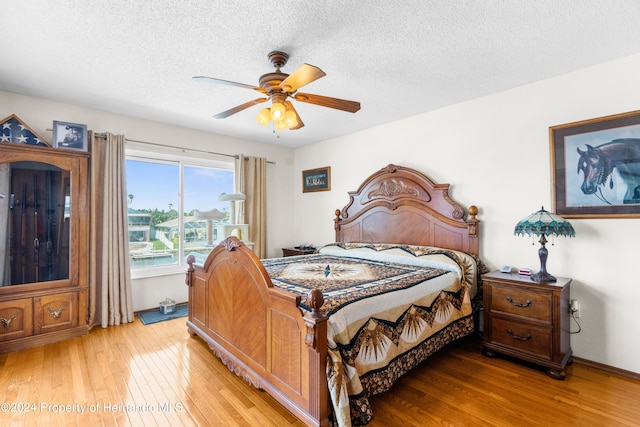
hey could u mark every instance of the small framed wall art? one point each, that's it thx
(71, 136)
(595, 167)
(316, 180)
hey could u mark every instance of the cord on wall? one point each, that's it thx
(573, 316)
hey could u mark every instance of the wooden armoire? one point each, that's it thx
(44, 216)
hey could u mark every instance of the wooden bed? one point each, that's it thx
(260, 332)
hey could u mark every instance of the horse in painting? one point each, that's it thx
(598, 164)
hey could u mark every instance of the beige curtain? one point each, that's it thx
(251, 179)
(110, 294)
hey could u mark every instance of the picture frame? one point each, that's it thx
(70, 136)
(316, 179)
(595, 167)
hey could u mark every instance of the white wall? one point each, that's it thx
(148, 292)
(495, 153)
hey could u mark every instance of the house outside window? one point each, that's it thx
(165, 195)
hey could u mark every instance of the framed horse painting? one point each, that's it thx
(595, 167)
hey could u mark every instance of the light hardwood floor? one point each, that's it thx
(158, 375)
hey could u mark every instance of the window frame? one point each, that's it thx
(181, 161)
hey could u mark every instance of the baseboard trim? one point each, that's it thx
(607, 368)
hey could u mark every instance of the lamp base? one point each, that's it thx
(543, 276)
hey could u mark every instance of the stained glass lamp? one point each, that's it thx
(543, 223)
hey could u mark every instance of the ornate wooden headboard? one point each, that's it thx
(402, 206)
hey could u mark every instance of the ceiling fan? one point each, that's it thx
(279, 87)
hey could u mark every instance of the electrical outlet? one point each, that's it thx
(575, 308)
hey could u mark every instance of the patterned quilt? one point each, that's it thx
(389, 308)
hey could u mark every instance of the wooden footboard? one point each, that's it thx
(258, 331)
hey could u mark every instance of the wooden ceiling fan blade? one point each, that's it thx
(240, 108)
(304, 75)
(227, 83)
(300, 124)
(325, 101)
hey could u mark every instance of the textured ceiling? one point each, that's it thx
(398, 59)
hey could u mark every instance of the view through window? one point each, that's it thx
(164, 228)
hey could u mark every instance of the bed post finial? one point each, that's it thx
(336, 221)
(473, 221)
(315, 319)
(473, 211)
(315, 301)
(190, 260)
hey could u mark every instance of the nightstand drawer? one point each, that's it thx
(523, 302)
(521, 337)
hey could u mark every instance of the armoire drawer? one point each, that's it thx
(16, 319)
(55, 312)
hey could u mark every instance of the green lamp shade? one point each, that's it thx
(545, 223)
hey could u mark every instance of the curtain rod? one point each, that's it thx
(235, 156)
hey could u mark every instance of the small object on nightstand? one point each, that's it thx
(505, 269)
(527, 320)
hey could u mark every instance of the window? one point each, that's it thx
(170, 201)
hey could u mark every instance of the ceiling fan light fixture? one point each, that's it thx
(264, 116)
(277, 111)
(277, 87)
(290, 119)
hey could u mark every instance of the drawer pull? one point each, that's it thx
(7, 322)
(56, 313)
(527, 303)
(517, 337)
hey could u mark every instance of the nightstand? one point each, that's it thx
(527, 320)
(297, 251)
